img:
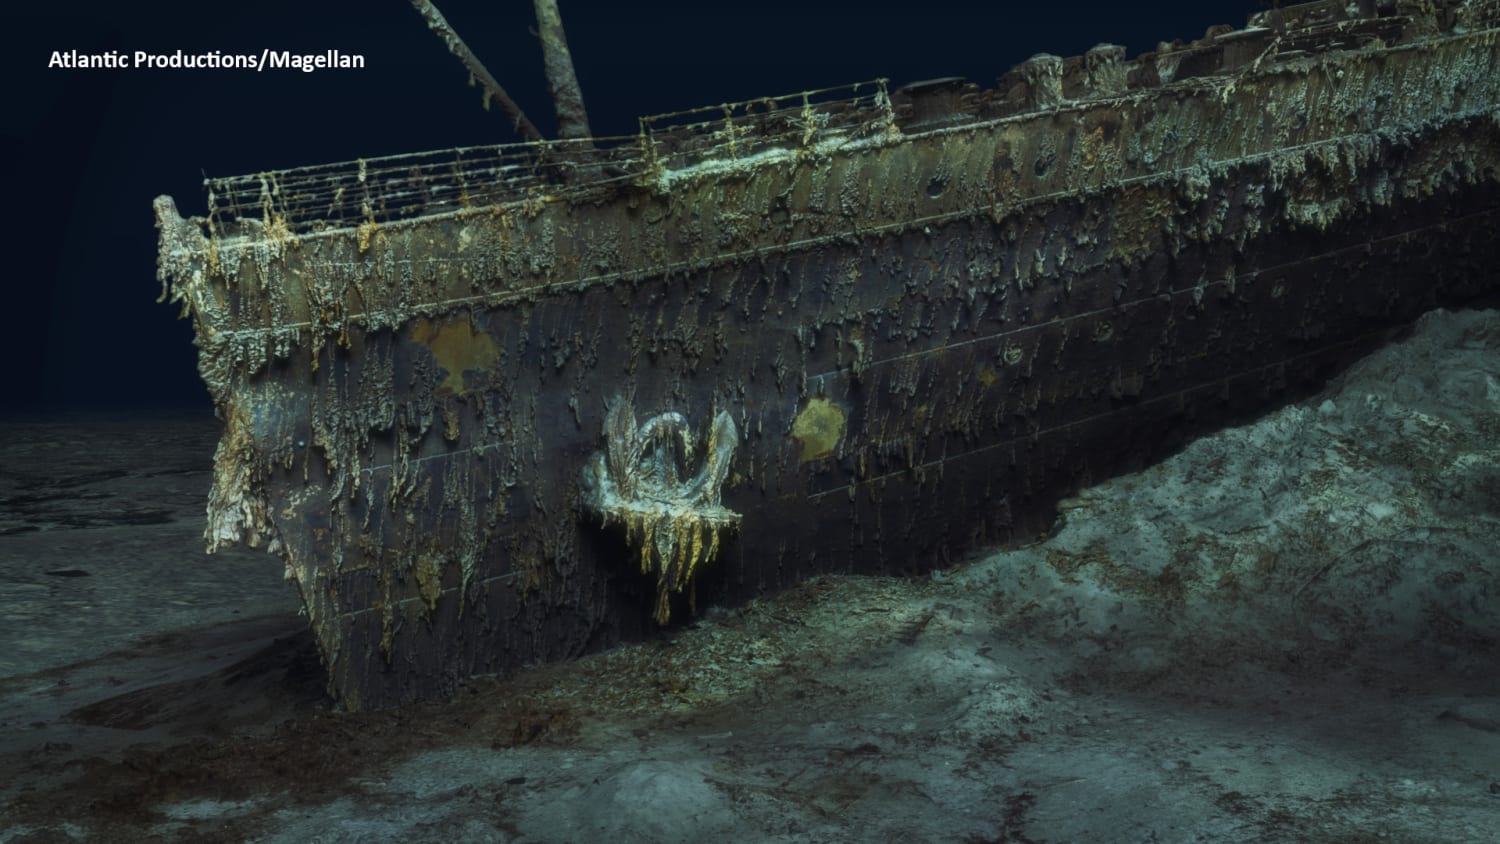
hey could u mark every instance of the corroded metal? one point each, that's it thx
(641, 482)
(925, 330)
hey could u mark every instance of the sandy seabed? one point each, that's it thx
(1289, 631)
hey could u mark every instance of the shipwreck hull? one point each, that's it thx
(925, 329)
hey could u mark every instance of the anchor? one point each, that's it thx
(640, 480)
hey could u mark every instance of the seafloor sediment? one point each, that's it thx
(1286, 632)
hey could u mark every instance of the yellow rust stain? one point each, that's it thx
(818, 429)
(429, 575)
(1140, 218)
(365, 233)
(458, 348)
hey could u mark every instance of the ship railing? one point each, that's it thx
(742, 130)
(396, 187)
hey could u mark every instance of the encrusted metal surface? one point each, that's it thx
(640, 482)
(921, 331)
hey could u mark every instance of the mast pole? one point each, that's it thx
(572, 119)
(492, 90)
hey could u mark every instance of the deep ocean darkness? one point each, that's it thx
(85, 151)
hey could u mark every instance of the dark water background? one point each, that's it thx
(85, 151)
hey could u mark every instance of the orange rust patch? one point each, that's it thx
(458, 349)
